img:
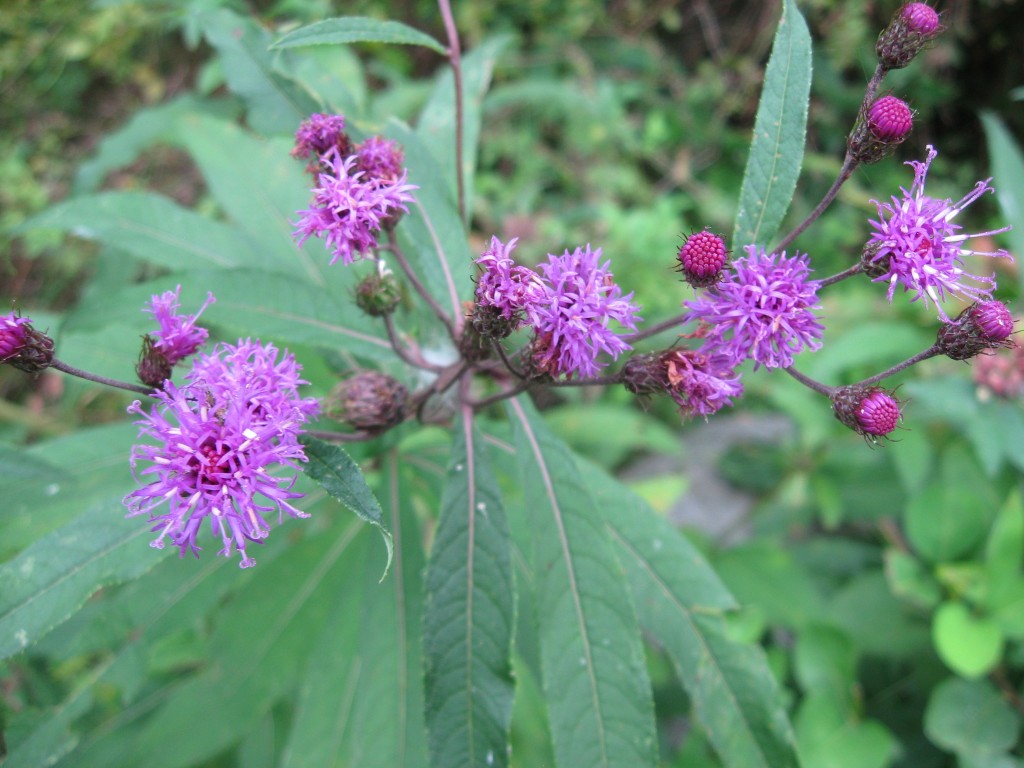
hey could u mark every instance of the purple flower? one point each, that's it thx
(380, 159)
(13, 335)
(504, 285)
(762, 310)
(213, 442)
(179, 336)
(700, 383)
(319, 134)
(916, 244)
(570, 316)
(349, 209)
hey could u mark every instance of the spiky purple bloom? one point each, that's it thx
(916, 244)
(380, 158)
(701, 384)
(13, 335)
(571, 315)
(319, 134)
(213, 444)
(178, 336)
(763, 310)
(349, 209)
(505, 285)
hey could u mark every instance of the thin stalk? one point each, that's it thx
(597, 381)
(849, 164)
(807, 381)
(932, 351)
(71, 370)
(418, 286)
(455, 57)
(488, 401)
(653, 330)
(406, 355)
(840, 275)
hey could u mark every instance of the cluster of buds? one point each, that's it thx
(368, 400)
(22, 346)
(912, 27)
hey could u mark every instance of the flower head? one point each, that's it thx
(504, 285)
(349, 210)
(368, 400)
(571, 315)
(380, 159)
(213, 442)
(319, 134)
(915, 244)
(13, 335)
(890, 119)
(178, 336)
(912, 27)
(982, 326)
(22, 346)
(869, 411)
(700, 384)
(920, 18)
(701, 259)
(763, 310)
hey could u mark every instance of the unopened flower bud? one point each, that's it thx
(869, 411)
(378, 294)
(870, 264)
(910, 29)
(153, 368)
(701, 259)
(982, 326)
(644, 374)
(368, 400)
(880, 130)
(318, 135)
(23, 346)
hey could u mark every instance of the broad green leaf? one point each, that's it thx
(825, 663)
(831, 736)
(970, 715)
(777, 149)
(150, 227)
(1004, 551)
(157, 124)
(275, 104)
(595, 680)
(679, 599)
(333, 74)
(1007, 161)
(910, 580)
(431, 233)
(333, 468)
(878, 622)
(970, 645)
(948, 518)
(51, 579)
(470, 615)
(357, 29)
(260, 187)
(436, 125)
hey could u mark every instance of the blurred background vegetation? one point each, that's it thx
(625, 124)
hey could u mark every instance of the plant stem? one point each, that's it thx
(664, 325)
(455, 57)
(421, 289)
(597, 381)
(840, 275)
(64, 367)
(844, 173)
(407, 355)
(932, 351)
(488, 401)
(807, 381)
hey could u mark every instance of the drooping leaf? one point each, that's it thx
(595, 680)
(332, 467)
(275, 105)
(777, 149)
(436, 125)
(470, 615)
(357, 29)
(679, 599)
(1008, 178)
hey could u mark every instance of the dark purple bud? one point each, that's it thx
(319, 134)
(982, 326)
(909, 31)
(701, 259)
(645, 374)
(869, 411)
(881, 129)
(368, 400)
(378, 294)
(13, 335)
(23, 346)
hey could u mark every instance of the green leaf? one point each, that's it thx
(275, 104)
(679, 598)
(825, 663)
(970, 645)
(949, 518)
(910, 580)
(470, 615)
(970, 715)
(436, 125)
(1008, 173)
(1004, 551)
(333, 468)
(595, 679)
(777, 149)
(358, 29)
(831, 737)
(53, 577)
(150, 227)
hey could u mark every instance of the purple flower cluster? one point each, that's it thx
(178, 336)
(916, 245)
(700, 383)
(763, 310)
(569, 306)
(319, 134)
(350, 208)
(214, 441)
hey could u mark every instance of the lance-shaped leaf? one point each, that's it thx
(679, 599)
(777, 150)
(332, 467)
(470, 615)
(595, 679)
(357, 29)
